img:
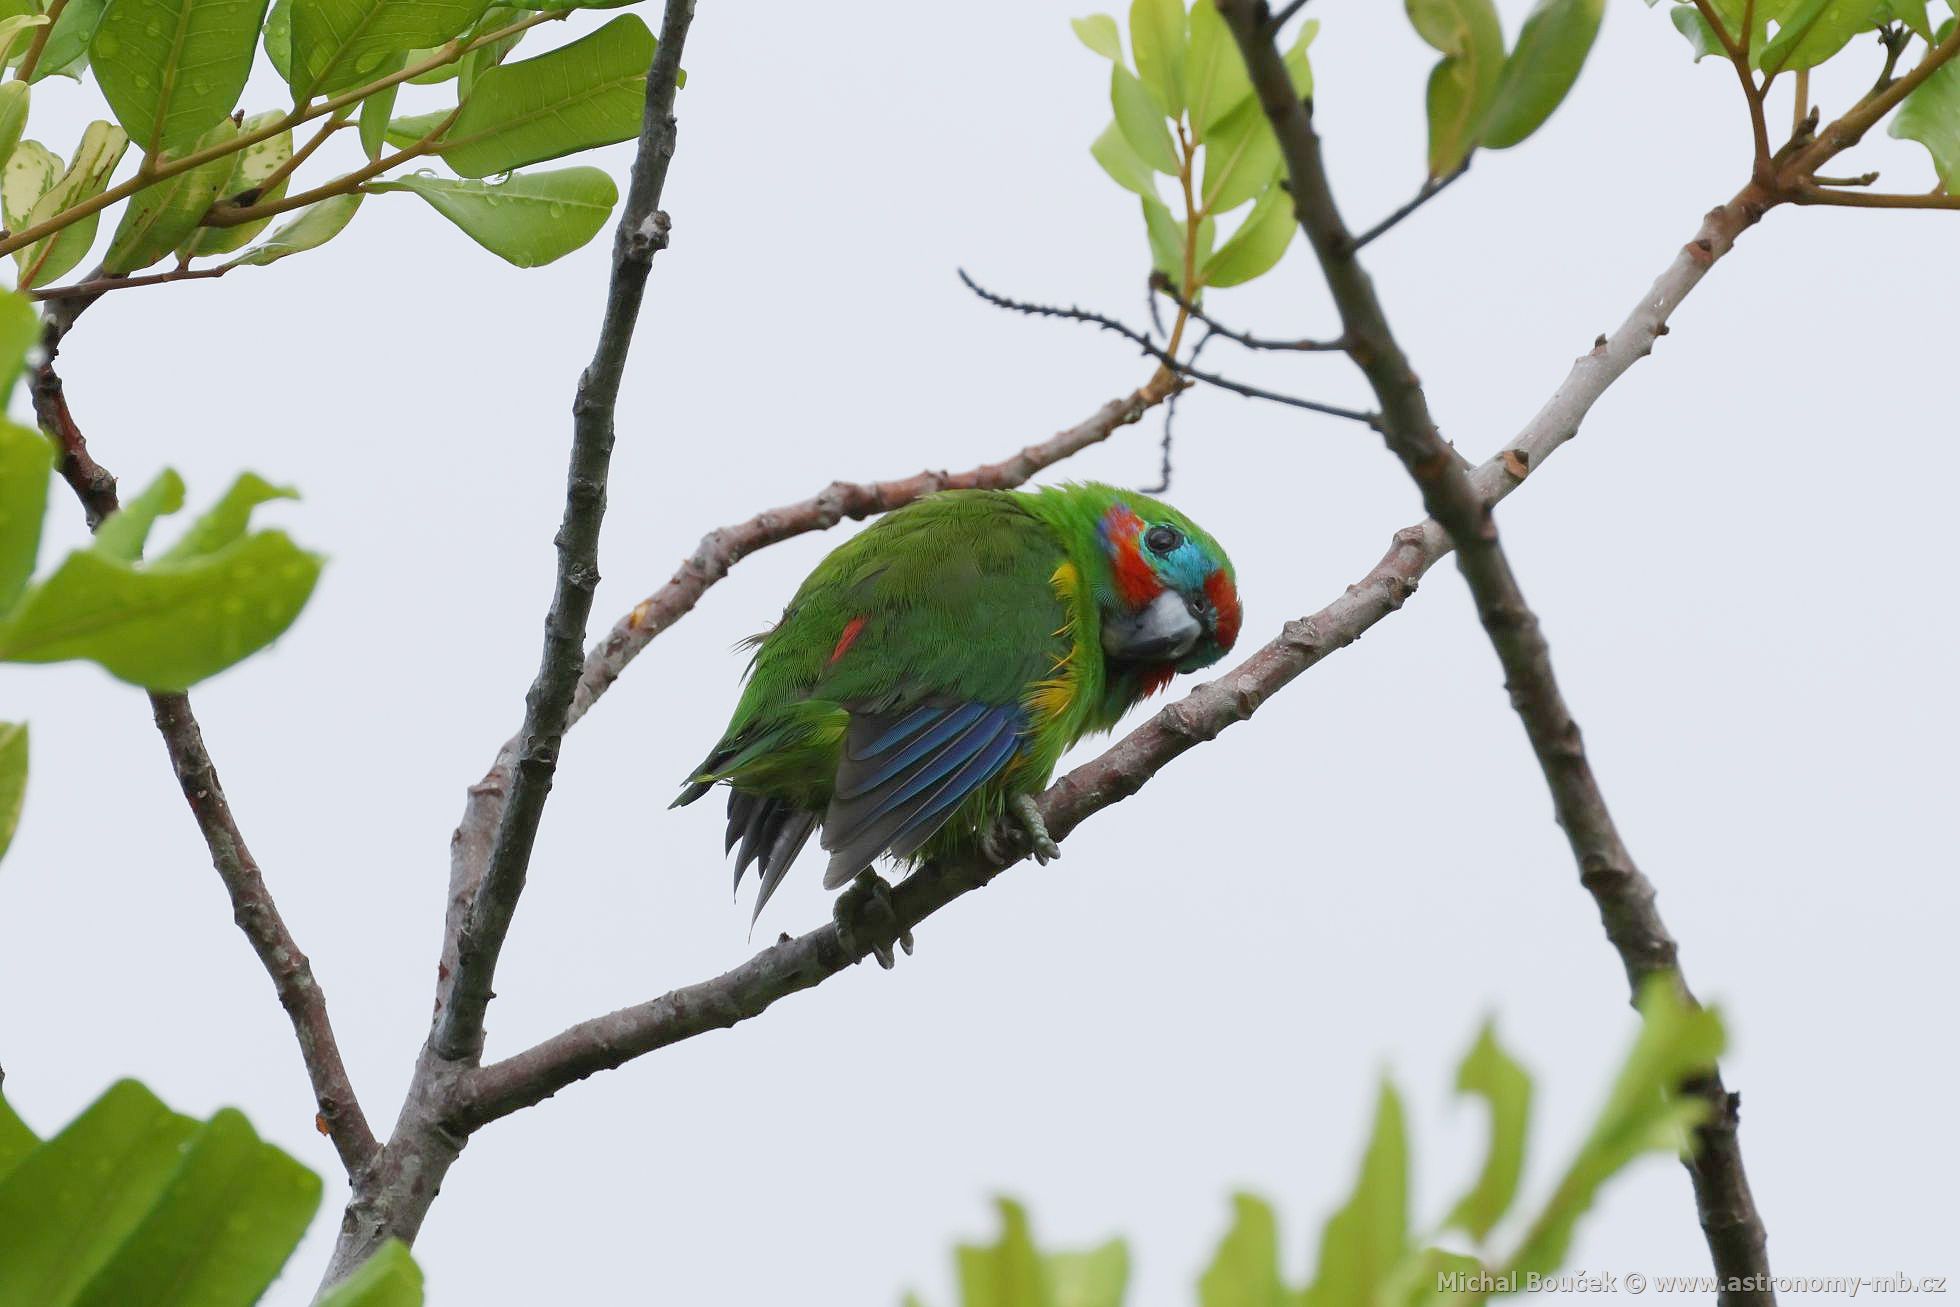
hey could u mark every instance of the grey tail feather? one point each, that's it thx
(791, 836)
(771, 832)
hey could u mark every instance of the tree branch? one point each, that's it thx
(1149, 347)
(642, 232)
(501, 1088)
(340, 1117)
(1625, 898)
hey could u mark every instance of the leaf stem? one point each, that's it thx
(333, 124)
(346, 184)
(29, 60)
(169, 168)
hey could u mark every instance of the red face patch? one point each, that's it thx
(1224, 598)
(1136, 580)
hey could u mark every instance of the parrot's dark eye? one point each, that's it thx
(1162, 539)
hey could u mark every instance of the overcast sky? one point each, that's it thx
(1738, 564)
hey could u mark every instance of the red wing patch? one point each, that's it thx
(852, 629)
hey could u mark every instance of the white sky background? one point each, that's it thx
(1738, 564)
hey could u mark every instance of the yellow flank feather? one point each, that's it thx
(1048, 699)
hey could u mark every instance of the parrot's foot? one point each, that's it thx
(864, 913)
(1021, 833)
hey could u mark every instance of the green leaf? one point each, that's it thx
(390, 1278)
(26, 459)
(1912, 13)
(1245, 1270)
(278, 40)
(13, 115)
(1496, 1077)
(1098, 32)
(171, 69)
(1241, 160)
(1142, 120)
(315, 226)
(87, 176)
(13, 793)
(1298, 70)
(219, 1231)
(16, 1140)
(1097, 1278)
(20, 328)
(123, 533)
(1931, 116)
(1540, 70)
(1461, 87)
(589, 93)
(1645, 1112)
(11, 29)
(66, 50)
(161, 217)
(1363, 1243)
(1214, 74)
(1008, 1274)
(409, 129)
(1257, 245)
(1814, 30)
(495, 19)
(249, 169)
(31, 169)
(1124, 165)
(339, 44)
(66, 1207)
(376, 110)
(528, 219)
(170, 623)
(1701, 37)
(225, 521)
(1166, 236)
(1157, 42)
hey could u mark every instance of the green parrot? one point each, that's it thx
(929, 674)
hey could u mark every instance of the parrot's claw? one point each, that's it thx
(866, 909)
(1021, 834)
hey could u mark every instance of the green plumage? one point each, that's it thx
(970, 615)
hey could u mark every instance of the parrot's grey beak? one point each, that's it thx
(1162, 633)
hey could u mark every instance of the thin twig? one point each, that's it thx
(1170, 417)
(1161, 284)
(1430, 190)
(1873, 199)
(97, 286)
(1623, 895)
(1151, 348)
(641, 233)
(1287, 11)
(391, 1197)
(340, 1116)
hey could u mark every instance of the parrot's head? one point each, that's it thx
(1166, 593)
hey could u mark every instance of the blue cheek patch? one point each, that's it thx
(1183, 568)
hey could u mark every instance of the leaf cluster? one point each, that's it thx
(134, 1205)
(1368, 1251)
(208, 177)
(1187, 114)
